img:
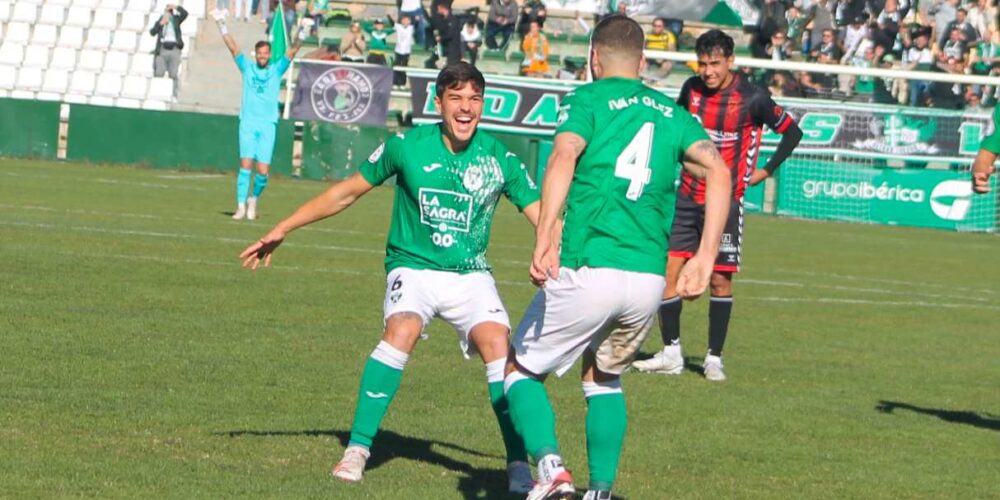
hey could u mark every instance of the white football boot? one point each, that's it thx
(251, 208)
(554, 481)
(351, 468)
(713, 368)
(241, 211)
(669, 361)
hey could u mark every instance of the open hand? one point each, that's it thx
(262, 249)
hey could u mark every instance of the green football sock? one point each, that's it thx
(532, 415)
(511, 440)
(379, 383)
(606, 424)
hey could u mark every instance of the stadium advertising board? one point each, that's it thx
(342, 93)
(909, 197)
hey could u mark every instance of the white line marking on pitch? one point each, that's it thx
(887, 281)
(193, 176)
(907, 303)
(859, 290)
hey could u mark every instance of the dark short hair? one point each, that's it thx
(620, 34)
(454, 76)
(262, 43)
(713, 40)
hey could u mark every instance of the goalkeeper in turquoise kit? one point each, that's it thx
(449, 178)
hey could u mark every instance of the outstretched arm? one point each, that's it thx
(220, 21)
(305, 27)
(329, 203)
(703, 161)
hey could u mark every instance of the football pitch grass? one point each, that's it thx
(140, 361)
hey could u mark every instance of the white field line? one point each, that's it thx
(849, 277)
(193, 176)
(859, 290)
(905, 303)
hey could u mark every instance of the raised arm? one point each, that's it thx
(220, 21)
(559, 171)
(329, 203)
(702, 160)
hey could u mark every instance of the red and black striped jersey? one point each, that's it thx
(733, 118)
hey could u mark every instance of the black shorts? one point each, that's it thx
(685, 235)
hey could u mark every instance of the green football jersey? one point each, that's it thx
(991, 142)
(444, 204)
(621, 202)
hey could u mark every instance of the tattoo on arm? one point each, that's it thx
(708, 148)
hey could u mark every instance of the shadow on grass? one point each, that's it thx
(474, 482)
(990, 422)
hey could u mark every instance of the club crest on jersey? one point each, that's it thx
(472, 179)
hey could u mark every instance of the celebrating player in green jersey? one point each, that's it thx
(449, 177)
(614, 164)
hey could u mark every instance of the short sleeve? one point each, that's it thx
(283, 64)
(576, 116)
(685, 94)
(384, 162)
(241, 62)
(767, 112)
(691, 132)
(991, 142)
(517, 186)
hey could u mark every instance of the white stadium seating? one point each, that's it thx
(161, 89)
(99, 100)
(11, 54)
(108, 85)
(125, 102)
(18, 33)
(116, 5)
(124, 41)
(90, 4)
(45, 34)
(36, 56)
(142, 65)
(75, 98)
(56, 81)
(29, 79)
(91, 60)
(61, 3)
(143, 6)
(154, 105)
(70, 37)
(147, 43)
(22, 94)
(24, 12)
(135, 87)
(98, 39)
(105, 18)
(4, 11)
(52, 14)
(134, 21)
(63, 58)
(8, 77)
(78, 16)
(116, 63)
(82, 83)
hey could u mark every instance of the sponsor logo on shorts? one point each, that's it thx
(727, 246)
(342, 95)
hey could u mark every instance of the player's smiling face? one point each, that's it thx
(461, 107)
(714, 69)
(263, 55)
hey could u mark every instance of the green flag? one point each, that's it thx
(279, 39)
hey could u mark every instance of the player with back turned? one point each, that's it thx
(733, 112)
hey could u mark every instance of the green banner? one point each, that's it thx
(910, 197)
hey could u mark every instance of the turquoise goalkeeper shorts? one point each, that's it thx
(257, 140)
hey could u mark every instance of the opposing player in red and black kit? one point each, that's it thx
(733, 112)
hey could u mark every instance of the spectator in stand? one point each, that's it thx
(536, 52)
(854, 33)
(784, 85)
(448, 34)
(771, 19)
(503, 14)
(797, 31)
(169, 43)
(378, 48)
(887, 26)
(329, 51)
(944, 12)
(532, 10)
(826, 52)
(264, 6)
(948, 95)
(659, 38)
(981, 16)
(904, 40)
(317, 11)
(821, 14)
(414, 9)
(404, 46)
(984, 59)
(472, 38)
(953, 48)
(863, 57)
(918, 58)
(968, 32)
(777, 49)
(353, 44)
(288, 9)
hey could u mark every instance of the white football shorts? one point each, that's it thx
(462, 300)
(606, 310)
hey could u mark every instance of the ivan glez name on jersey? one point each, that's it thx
(622, 103)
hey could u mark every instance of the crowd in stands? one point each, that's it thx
(950, 36)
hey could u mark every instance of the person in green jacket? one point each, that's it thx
(378, 47)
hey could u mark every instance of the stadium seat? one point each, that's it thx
(4, 12)
(45, 34)
(35, 2)
(108, 85)
(63, 58)
(11, 54)
(22, 94)
(115, 5)
(75, 98)
(124, 41)
(133, 21)
(105, 18)
(17, 33)
(98, 39)
(142, 65)
(147, 43)
(135, 87)
(8, 77)
(124, 102)
(154, 105)
(52, 14)
(116, 63)
(161, 89)
(91, 60)
(24, 12)
(61, 3)
(78, 16)
(70, 37)
(142, 6)
(99, 100)
(90, 4)
(48, 96)
(56, 80)
(36, 56)
(82, 83)
(29, 79)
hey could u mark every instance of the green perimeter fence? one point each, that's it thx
(813, 188)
